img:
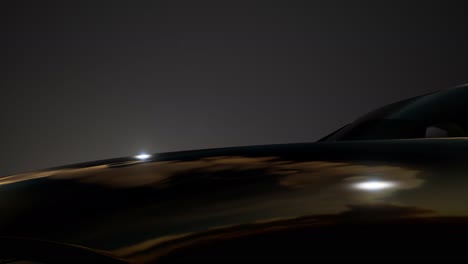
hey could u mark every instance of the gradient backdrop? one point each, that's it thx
(84, 81)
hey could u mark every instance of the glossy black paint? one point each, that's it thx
(276, 202)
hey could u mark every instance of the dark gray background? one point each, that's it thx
(85, 81)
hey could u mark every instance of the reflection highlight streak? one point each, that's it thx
(373, 186)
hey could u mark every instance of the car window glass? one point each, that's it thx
(436, 115)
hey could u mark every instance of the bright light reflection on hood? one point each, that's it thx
(143, 156)
(374, 185)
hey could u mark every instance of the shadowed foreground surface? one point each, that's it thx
(276, 202)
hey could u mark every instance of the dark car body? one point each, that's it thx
(370, 191)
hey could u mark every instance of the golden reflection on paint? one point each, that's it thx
(321, 172)
(44, 174)
(329, 185)
(315, 186)
(127, 251)
(151, 250)
(145, 173)
(334, 180)
(307, 188)
(295, 174)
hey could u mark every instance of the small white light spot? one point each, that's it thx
(143, 156)
(374, 185)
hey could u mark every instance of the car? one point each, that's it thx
(391, 185)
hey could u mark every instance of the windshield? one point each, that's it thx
(440, 114)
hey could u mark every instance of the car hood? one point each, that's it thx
(129, 207)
